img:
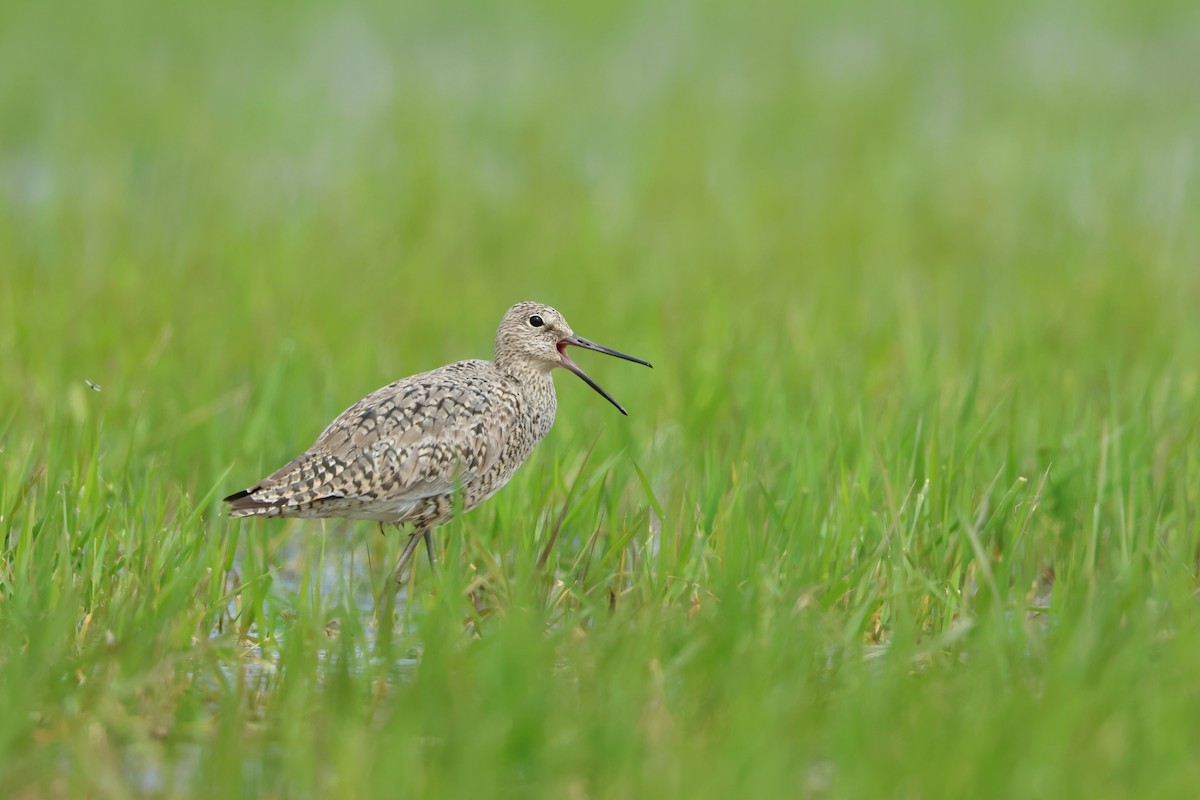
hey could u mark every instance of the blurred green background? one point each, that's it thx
(908, 506)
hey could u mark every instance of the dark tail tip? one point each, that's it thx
(242, 501)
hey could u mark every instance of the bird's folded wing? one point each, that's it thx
(393, 451)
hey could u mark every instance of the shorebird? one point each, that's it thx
(420, 449)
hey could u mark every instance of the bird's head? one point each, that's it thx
(535, 336)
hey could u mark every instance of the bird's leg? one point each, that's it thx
(413, 540)
(429, 552)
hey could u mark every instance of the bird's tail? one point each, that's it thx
(243, 504)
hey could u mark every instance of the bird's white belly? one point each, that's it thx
(376, 510)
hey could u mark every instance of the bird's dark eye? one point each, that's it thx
(536, 321)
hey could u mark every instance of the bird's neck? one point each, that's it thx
(523, 370)
(537, 387)
(533, 377)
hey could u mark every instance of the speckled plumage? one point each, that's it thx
(401, 453)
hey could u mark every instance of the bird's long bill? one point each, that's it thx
(579, 341)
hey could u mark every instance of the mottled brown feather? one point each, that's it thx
(400, 454)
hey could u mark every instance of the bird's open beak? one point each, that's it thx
(579, 341)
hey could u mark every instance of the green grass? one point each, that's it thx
(909, 506)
